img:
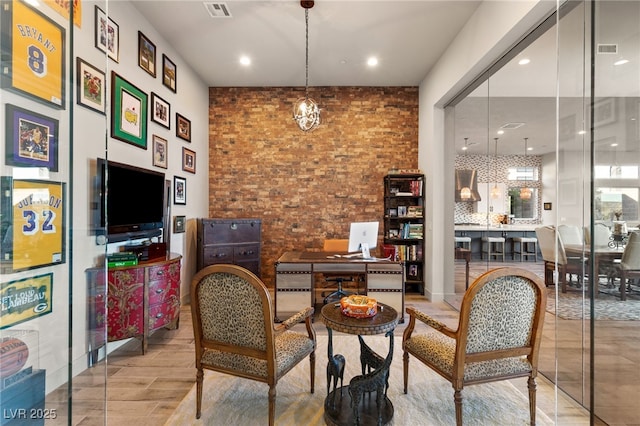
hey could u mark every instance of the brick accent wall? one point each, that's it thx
(306, 186)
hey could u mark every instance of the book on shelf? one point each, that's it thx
(123, 258)
(414, 211)
(416, 187)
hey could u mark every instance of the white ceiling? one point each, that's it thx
(407, 37)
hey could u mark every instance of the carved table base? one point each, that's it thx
(338, 411)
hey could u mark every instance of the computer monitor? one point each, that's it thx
(363, 233)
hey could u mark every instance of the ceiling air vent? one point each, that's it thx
(217, 9)
(608, 48)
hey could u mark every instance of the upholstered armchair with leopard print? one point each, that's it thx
(235, 333)
(497, 338)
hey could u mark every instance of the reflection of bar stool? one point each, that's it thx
(464, 242)
(492, 246)
(523, 249)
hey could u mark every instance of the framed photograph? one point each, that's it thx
(188, 160)
(33, 66)
(179, 190)
(183, 128)
(169, 73)
(107, 35)
(160, 111)
(179, 223)
(22, 305)
(547, 206)
(33, 232)
(128, 112)
(90, 86)
(31, 139)
(159, 152)
(146, 54)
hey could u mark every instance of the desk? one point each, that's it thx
(463, 253)
(295, 283)
(371, 410)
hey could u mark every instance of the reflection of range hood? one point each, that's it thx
(467, 178)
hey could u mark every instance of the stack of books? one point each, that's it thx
(123, 258)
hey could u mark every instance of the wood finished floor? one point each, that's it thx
(145, 389)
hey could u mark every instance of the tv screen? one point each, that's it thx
(131, 201)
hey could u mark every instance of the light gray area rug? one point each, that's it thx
(572, 306)
(232, 401)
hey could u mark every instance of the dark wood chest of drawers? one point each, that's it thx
(235, 241)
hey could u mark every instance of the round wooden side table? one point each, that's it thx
(375, 407)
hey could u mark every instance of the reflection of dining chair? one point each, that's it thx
(547, 241)
(601, 235)
(233, 324)
(571, 234)
(629, 266)
(497, 338)
(338, 246)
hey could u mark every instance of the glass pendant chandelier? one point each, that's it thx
(525, 192)
(495, 191)
(306, 112)
(465, 192)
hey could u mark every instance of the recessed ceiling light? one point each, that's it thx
(614, 144)
(464, 148)
(530, 149)
(245, 60)
(582, 132)
(524, 61)
(501, 132)
(372, 61)
(621, 62)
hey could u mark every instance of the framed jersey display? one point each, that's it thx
(33, 225)
(35, 64)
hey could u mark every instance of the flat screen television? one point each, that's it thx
(131, 201)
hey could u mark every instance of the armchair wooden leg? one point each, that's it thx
(272, 404)
(531, 384)
(405, 362)
(199, 379)
(457, 398)
(312, 365)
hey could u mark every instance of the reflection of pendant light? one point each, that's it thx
(525, 192)
(306, 111)
(465, 192)
(495, 191)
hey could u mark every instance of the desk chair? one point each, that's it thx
(337, 246)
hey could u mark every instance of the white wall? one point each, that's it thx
(78, 151)
(490, 32)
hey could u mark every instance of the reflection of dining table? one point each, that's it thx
(600, 254)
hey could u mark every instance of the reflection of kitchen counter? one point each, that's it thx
(506, 228)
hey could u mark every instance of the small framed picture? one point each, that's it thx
(179, 223)
(188, 160)
(169, 73)
(179, 190)
(160, 111)
(90, 86)
(146, 54)
(31, 139)
(393, 212)
(128, 112)
(402, 211)
(159, 152)
(547, 206)
(183, 127)
(107, 35)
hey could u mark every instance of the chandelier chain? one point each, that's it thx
(306, 81)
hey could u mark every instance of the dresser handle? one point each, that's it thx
(160, 290)
(159, 315)
(160, 273)
(219, 255)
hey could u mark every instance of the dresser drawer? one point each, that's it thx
(160, 291)
(215, 231)
(163, 314)
(246, 252)
(213, 255)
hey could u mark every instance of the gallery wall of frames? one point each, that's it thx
(81, 81)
